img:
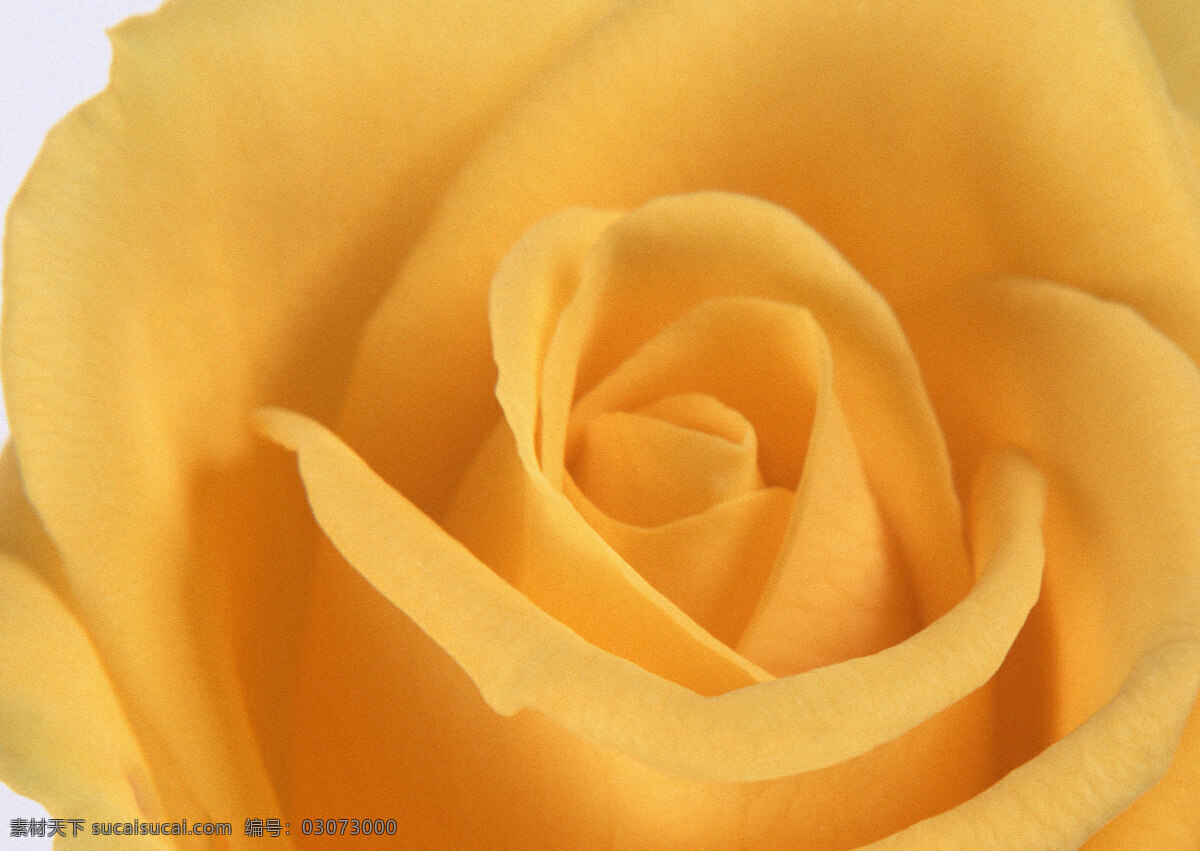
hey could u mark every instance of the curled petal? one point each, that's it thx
(560, 333)
(1173, 29)
(67, 740)
(253, 172)
(1071, 790)
(520, 658)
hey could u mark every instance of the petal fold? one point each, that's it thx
(521, 658)
(649, 269)
(65, 740)
(205, 236)
(1077, 785)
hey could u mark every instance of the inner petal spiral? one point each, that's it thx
(671, 459)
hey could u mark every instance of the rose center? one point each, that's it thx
(674, 458)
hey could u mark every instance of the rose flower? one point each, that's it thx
(595, 424)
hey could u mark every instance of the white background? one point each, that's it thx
(53, 55)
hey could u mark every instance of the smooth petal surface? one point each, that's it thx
(624, 458)
(532, 536)
(289, 205)
(927, 161)
(1173, 28)
(1072, 789)
(520, 658)
(1110, 409)
(75, 752)
(206, 235)
(836, 591)
(73, 749)
(673, 254)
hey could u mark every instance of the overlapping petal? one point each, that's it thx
(1173, 28)
(927, 161)
(1109, 408)
(226, 243)
(521, 658)
(207, 235)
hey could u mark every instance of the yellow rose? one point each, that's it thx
(719, 425)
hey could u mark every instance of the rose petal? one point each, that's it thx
(837, 590)
(207, 235)
(1173, 28)
(534, 538)
(674, 253)
(1110, 409)
(759, 357)
(713, 565)
(520, 658)
(1073, 788)
(927, 161)
(67, 741)
(835, 593)
(646, 472)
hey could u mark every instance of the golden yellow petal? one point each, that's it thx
(1110, 409)
(64, 738)
(521, 658)
(647, 472)
(675, 253)
(207, 235)
(761, 358)
(928, 161)
(1071, 790)
(575, 298)
(533, 537)
(1173, 28)
(838, 590)
(713, 565)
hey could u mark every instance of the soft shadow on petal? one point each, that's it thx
(521, 658)
(205, 236)
(1173, 29)
(532, 535)
(647, 471)
(761, 358)
(1037, 140)
(838, 590)
(713, 565)
(1077, 785)
(68, 743)
(572, 303)
(663, 259)
(1109, 408)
